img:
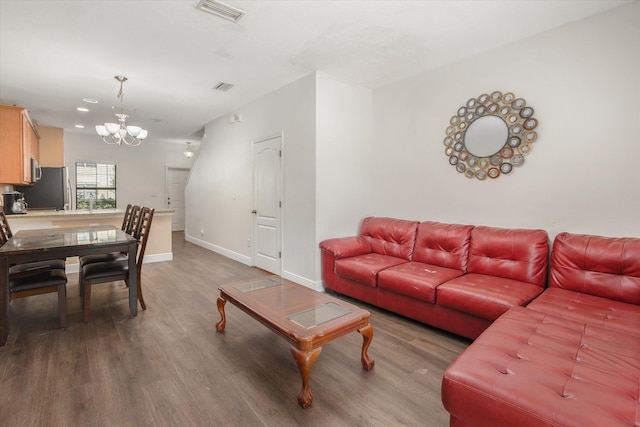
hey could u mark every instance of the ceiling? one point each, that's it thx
(55, 53)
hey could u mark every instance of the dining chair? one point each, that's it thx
(26, 283)
(36, 278)
(111, 271)
(130, 220)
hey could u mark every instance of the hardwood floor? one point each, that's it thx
(169, 367)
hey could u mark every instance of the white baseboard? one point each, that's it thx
(168, 256)
(220, 250)
(316, 286)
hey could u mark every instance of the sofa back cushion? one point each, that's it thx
(517, 254)
(607, 267)
(445, 245)
(389, 236)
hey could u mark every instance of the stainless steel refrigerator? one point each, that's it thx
(53, 191)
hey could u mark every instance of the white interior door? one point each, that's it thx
(267, 204)
(176, 183)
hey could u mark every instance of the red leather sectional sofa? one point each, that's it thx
(455, 277)
(570, 358)
(558, 352)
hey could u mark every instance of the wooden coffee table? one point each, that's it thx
(306, 318)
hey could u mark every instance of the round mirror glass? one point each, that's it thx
(486, 136)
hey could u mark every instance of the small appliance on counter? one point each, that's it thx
(14, 203)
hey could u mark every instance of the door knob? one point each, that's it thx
(254, 211)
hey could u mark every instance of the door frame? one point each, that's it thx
(253, 200)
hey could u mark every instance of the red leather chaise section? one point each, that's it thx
(570, 358)
(532, 369)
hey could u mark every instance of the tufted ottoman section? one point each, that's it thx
(536, 369)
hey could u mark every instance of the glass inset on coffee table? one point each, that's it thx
(305, 318)
(318, 315)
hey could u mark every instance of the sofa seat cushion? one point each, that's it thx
(416, 280)
(603, 312)
(485, 296)
(533, 369)
(365, 268)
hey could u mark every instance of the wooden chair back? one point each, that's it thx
(127, 217)
(142, 234)
(134, 220)
(5, 230)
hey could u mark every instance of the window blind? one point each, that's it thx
(95, 181)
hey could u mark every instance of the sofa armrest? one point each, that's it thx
(345, 247)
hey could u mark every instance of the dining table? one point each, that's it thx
(61, 243)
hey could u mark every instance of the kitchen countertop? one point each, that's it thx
(160, 240)
(52, 214)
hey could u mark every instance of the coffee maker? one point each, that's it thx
(14, 203)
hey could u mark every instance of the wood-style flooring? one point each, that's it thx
(169, 367)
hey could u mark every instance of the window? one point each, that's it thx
(95, 181)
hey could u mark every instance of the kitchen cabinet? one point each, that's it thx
(18, 145)
(51, 146)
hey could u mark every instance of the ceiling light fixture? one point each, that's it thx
(188, 153)
(117, 133)
(220, 9)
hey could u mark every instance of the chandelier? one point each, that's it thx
(188, 153)
(119, 133)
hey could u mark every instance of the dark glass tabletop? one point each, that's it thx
(68, 237)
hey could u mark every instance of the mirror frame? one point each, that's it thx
(521, 124)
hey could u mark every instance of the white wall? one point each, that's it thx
(350, 152)
(582, 176)
(140, 171)
(223, 168)
(343, 158)
(326, 128)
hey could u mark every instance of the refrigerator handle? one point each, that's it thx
(69, 194)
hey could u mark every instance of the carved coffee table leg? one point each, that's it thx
(223, 321)
(367, 336)
(305, 361)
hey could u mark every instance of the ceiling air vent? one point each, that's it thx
(220, 9)
(222, 86)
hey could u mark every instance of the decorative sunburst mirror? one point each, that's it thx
(490, 135)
